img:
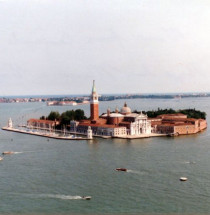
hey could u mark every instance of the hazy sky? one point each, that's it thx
(127, 46)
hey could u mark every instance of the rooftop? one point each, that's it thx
(42, 121)
(113, 115)
(99, 125)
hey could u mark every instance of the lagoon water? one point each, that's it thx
(51, 176)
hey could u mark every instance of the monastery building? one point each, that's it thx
(116, 124)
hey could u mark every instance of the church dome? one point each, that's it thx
(125, 110)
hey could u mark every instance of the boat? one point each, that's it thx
(173, 134)
(86, 197)
(1, 158)
(183, 179)
(7, 153)
(121, 169)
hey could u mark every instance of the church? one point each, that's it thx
(115, 124)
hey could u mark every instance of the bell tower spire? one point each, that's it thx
(94, 112)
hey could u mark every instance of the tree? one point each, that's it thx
(79, 114)
(69, 115)
(191, 113)
(54, 115)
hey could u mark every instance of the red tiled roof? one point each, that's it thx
(85, 121)
(97, 122)
(99, 125)
(181, 119)
(156, 123)
(154, 119)
(42, 121)
(174, 125)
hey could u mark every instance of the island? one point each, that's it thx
(122, 123)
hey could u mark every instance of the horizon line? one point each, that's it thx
(102, 94)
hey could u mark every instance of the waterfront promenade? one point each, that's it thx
(141, 136)
(48, 135)
(72, 136)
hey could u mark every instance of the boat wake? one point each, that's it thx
(58, 196)
(27, 152)
(136, 172)
(53, 196)
(190, 162)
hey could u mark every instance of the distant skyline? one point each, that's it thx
(53, 47)
(201, 94)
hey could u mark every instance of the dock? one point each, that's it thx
(141, 136)
(54, 135)
(67, 132)
(48, 135)
(94, 135)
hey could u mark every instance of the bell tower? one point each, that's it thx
(94, 112)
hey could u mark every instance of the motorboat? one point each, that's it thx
(183, 179)
(7, 153)
(1, 158)
(86, 197)
(121, 169)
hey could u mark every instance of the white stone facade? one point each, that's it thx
(139, 125)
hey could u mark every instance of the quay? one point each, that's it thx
(36, 133)
(56, 136)
(141, 136)
(67, 132)
(94, 135)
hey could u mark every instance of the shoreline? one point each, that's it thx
(54, 136)
(43, 135)
(81, 138)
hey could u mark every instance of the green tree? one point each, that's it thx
(54, 115)
(191, 113)
(69, 115)
(79, 114)
(42, 117)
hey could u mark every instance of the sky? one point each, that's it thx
(126, 46)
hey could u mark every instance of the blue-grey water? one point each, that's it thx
(51, 176)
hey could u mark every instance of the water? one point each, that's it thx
(52, 176)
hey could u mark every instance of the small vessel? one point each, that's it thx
(183, 179)
(1, 158)
(86, 197)
(121, 169)
(7, 153)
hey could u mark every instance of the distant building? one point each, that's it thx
(115, 124)
(40, 123)
(61, 103)
(178, 124)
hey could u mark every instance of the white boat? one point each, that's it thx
(7, 153)
(1, 158)
(183, 179)
(86, 197)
